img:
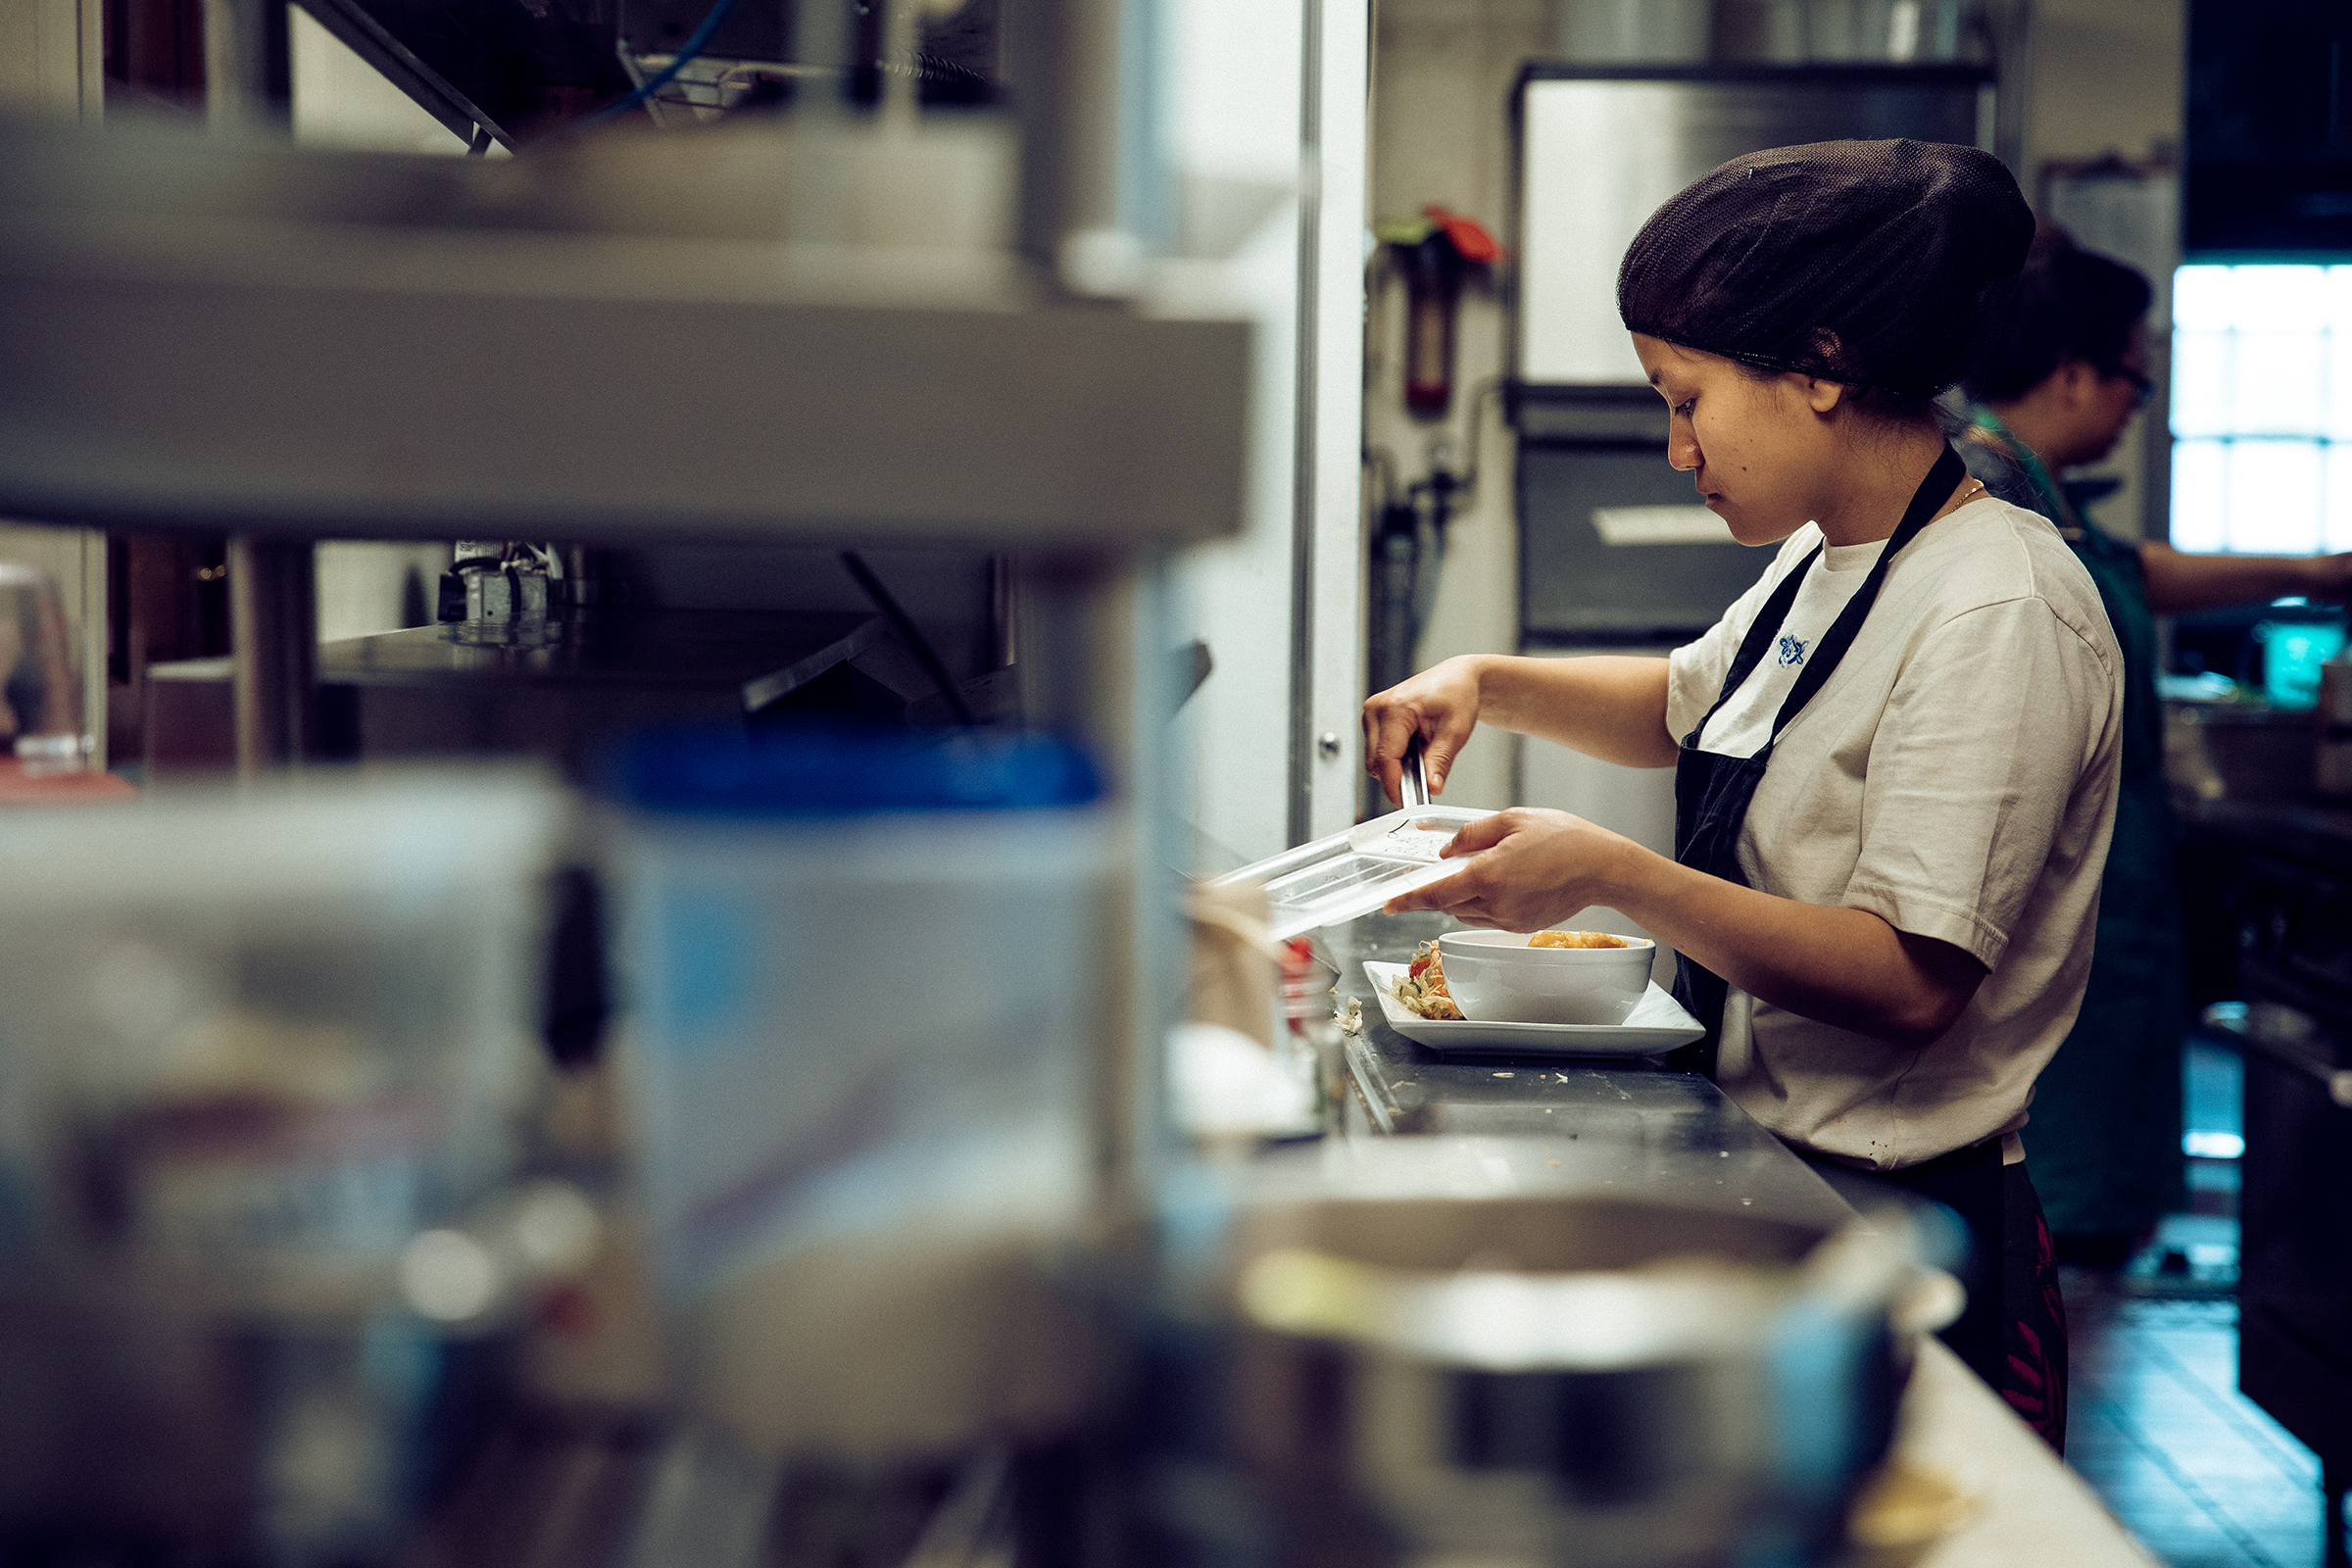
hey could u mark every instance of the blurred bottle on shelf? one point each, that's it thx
(40, 692)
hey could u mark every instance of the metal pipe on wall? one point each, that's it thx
(1097, 191)
(274, 631)
(1004, 614)
(1327, 524)
(247, 64)
(1298, 819)
(1062, 59)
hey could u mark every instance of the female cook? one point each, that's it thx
(1896, 755)
(2054, 383)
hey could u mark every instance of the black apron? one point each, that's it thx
(1711, 790)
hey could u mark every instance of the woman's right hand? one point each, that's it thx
(1439, 705)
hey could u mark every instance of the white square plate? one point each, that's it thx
(1658, 1024)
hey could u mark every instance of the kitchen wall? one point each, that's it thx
(367, 586)
(341, 101)
(1442, 75)
(2106, 75)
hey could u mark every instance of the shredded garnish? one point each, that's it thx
(1423, 991)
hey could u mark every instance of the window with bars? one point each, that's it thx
(2261, 409)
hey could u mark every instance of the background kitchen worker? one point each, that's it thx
(1896, 755)
(2055, 381)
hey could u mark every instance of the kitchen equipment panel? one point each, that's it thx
(1601, 147)
(1614, 545)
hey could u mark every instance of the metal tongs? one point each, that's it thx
(1412, 782)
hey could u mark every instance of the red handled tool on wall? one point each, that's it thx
(1434, 254)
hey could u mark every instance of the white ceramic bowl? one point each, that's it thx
(1496, 977)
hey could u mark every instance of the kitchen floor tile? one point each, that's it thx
(2200, 1552)
(2200, 1474)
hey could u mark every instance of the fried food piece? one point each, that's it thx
(1423, 988)
(1576, 938)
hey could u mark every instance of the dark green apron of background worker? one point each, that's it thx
(2105, 1134)
(2013, 1333)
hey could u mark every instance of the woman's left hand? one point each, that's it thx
(1533, 869)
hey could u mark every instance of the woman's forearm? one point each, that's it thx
(1843, 966)
(1526, 869)
(1607, 705)
(2179, 582)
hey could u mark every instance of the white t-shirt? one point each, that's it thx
(1957, 777)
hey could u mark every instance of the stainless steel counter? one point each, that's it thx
(1634, 1124)
(1626, 1122)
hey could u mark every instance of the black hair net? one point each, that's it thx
(1869, 263)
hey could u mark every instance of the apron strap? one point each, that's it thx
(1947, 477)
(1761, 633)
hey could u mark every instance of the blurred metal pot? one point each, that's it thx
(1518, 1376)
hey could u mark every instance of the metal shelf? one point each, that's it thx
(317, 361)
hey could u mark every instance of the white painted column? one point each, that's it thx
(1269, 144)
(1331, 569)
(52, 56)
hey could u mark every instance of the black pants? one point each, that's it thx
(2013, 1332)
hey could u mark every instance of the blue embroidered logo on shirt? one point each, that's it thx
(1793, 651)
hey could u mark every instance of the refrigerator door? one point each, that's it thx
(1601, 147)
